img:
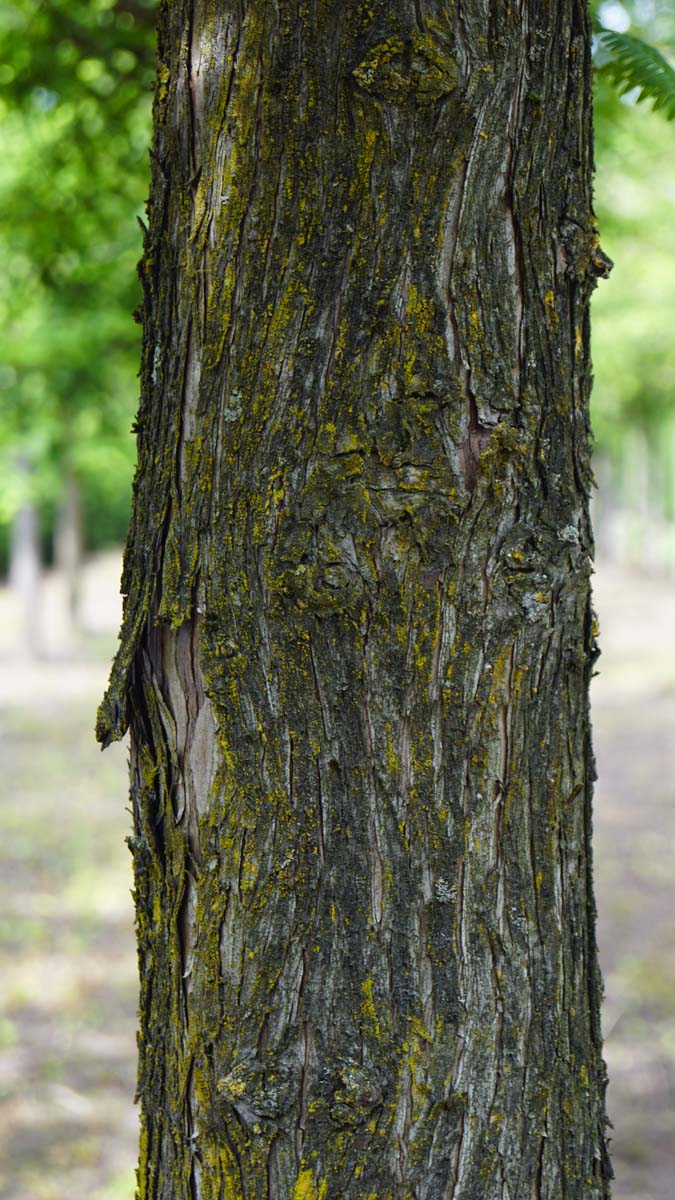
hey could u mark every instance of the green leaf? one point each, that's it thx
(636, 64)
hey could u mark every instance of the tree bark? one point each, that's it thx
(358, 633)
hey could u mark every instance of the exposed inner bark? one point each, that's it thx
(358, 633)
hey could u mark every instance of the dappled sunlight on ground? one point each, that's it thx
(68, 996)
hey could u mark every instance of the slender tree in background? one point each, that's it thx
(358, 633)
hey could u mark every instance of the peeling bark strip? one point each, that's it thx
(358, 635)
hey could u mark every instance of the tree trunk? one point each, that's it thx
(358, 634)
(68, 545)
(25, 566)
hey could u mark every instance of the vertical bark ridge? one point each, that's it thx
(358, 634)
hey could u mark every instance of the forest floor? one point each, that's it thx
(68, 1127)
(634, 733)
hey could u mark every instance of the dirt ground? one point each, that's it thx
(67, 961)
(634, 723)
(68, 1126)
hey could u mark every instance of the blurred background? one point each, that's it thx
(76, 79)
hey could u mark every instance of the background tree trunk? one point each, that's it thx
(358, 634)
(25, 566)
(68, 540)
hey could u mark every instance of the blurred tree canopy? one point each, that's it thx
(76, 81)
(633, 351)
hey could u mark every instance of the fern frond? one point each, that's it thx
(636, 64)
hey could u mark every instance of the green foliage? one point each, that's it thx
(632, 401)
(75, 113)
(636, 64)
(634, 363)
(67, 43)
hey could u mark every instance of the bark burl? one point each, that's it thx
(358, 634)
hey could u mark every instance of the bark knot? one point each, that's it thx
(418, 70)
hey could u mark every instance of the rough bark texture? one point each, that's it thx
(358, 633)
